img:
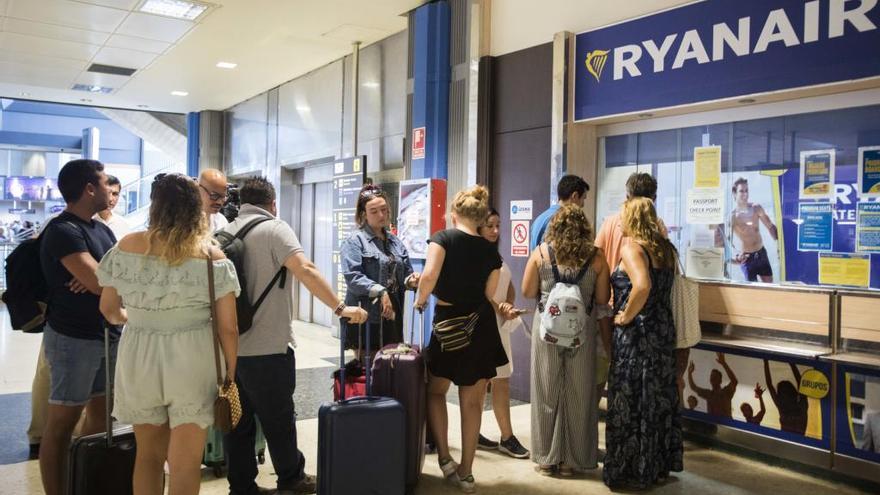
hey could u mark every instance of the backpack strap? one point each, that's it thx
(250, 226)
(282, 272)
(580, 274)
(556, 277)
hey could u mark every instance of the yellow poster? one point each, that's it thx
(707, 166)
(844, 269)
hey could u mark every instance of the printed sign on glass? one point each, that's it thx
(869, 172)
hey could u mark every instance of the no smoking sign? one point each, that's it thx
(519, 238)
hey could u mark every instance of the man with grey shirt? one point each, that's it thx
(266, 372)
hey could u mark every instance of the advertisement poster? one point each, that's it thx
(858, 412)
(705, 206)
(868, 227)
(760, 392)
(817, 174)
(707, 166)
(32, 189)
(753, 228)
(853, 270)
(816, 227)
(869, 172)
(414, 216)
(705, 263)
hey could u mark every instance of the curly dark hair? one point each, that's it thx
(571, 235)
(176, 217)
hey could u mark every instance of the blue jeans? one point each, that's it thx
(77, 368)
(266, 385)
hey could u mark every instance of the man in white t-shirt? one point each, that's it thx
(117, 223)
(212, 186)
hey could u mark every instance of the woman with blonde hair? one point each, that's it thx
(565, 412)
(157, 282)
(461, 270)
(643, 429)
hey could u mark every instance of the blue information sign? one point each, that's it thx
(868, 227)
(719, 49)
(816, 227)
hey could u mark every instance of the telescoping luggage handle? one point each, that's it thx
(369, 380)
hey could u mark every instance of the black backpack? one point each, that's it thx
(233, 247)
(26, 287)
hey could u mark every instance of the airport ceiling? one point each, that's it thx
(48, 46)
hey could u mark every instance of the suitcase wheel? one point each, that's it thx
(261, 457)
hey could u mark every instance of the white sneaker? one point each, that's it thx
(466, 484)
(449, 467)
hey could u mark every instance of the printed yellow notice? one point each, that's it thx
(707, 166)
(852, 270)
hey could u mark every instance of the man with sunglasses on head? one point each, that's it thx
(212, 186)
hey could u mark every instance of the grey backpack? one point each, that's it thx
(564, 314)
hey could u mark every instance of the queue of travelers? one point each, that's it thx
(149, 289)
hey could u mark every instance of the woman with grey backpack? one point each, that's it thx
(570, 277)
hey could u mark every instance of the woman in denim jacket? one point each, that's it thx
(376, 265)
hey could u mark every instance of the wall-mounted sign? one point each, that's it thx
(706, 51)
(519, 238)
(816, 228)
(817, 174)
(707, 166)
(868, 227)
(705, 206)
(853, 270)
(348, 179)
(418, 143)
(521, 210)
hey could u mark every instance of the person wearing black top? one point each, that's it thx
(461, 270)
(73, 339)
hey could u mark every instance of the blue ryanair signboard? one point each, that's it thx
(719, 49)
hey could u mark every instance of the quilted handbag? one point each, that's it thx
(686, 310)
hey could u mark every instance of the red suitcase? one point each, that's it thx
(399, 372)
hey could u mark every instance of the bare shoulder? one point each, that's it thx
(136, 242)
(216, 253)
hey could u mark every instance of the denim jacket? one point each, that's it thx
(368, 270)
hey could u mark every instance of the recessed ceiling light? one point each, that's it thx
(178, 9)
(303, 108)
(371, 84)
(24, 93)
(92, 88)
(227, 65)
(179, 93)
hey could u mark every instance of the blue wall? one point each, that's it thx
(54, 125)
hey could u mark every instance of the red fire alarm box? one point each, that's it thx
(421, 212)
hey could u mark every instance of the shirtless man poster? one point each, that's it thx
(745, 220)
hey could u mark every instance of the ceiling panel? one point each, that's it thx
(40, 60)
(3, 4)
(140, 44)
(106, 80)
(118, 4)
(28, 83)
(67, 13)
(47, 47)
(124, 58)
(24, 70)
(154, 27)
(44, 30)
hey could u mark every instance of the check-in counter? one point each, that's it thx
(856, 364)
(757, 376)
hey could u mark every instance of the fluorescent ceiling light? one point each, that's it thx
(179, 93)
(92, 88)
(178, 9)
(371, 84)
(227, 65)
(303, 108)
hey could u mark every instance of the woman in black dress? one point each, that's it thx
(643, 428)
(461, 271)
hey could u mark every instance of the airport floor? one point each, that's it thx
(707, 471)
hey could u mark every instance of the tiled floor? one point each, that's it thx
(707, 471)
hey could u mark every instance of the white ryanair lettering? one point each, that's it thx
(776, 30)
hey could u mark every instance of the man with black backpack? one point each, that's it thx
(73, 337)
(264, 249)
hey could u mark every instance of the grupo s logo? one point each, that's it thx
(748, 37)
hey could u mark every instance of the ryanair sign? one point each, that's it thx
(721, 49)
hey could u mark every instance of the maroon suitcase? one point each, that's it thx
(399, 373)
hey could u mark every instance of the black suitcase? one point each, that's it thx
(399, 372)
(103, 463)
(361, 442)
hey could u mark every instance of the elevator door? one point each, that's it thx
(315, 233)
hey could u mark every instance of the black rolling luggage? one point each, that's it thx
(361, 442)
(103, 463)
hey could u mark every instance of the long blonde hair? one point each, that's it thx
(176, 219)
(639, 221)
(472, 204)
(571, 235)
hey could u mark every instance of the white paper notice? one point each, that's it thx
(705, 263)
(702, 237)
(705, 206)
